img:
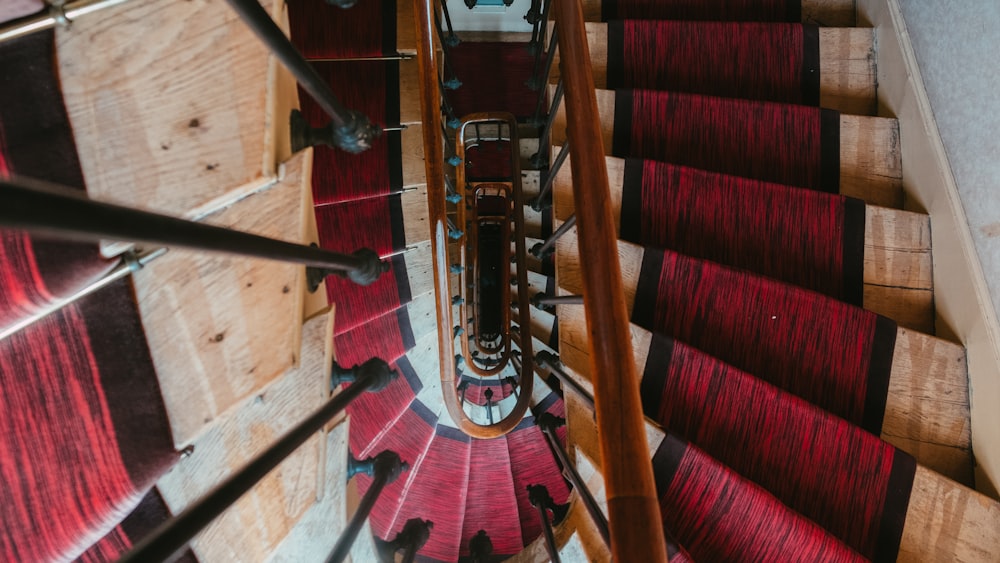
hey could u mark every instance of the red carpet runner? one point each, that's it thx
(85, 434)
(786, 144)
(719, 516)
(712, 10)
(851, 483)
(320, 30)
(802, 237)
(753, 61)
(770, 330)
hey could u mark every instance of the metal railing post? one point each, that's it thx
(386, 469)
(174, 534)
(549, 423)
(62, 212)
(539, 497)
(352, 131)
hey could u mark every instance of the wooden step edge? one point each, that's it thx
(262, 518)
(220, 326)
(945, 520)
(832, 13)
(898, 264)
(847, 66)
(870, 161)
(928, 384)
(319, 528)
(174, 135)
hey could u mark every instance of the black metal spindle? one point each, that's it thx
(481, 548)
(533, 17)
(489, 400)
(542, 201)
(452, 83)
(543, 250)
(352, 131)
(60, 212)
(174, 534)
(539, 80)
(550, 361)
(548, 424)
(540, 157)
(410, 539)
(539, 497)
(462, 388)
(386, 469)
(452, 39)
(537, 50)
(512, 381)
(548, 303)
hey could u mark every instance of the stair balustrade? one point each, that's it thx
(633, 505)
(409, 540)
(172, 536)
(549, 423)
(539, 497)
(58, 14)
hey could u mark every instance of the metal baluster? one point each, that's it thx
(548, 303)
(543, 250)
(410, 539)
(542, 201)
(541, 41)
(57, 211)
(550, 361)
(539, 159)
(351, 130)
(58, 14)
(489, 403)
(549, 423)
(539, 497)
(452, 39)
(386, 468)
(481, 548)
(452, 83)
(173, 535)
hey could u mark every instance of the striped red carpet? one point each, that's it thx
(753, 61)
(371, 88)
(497, 86)
(531, 463)
(712, 10)
(490, 479)
(781, 143)
(846, 480)
(319, 30)
(475, 392)
(489, 160)
(719, 516)
(36, 141)
(803, 237)
(770, 329)
(375, 223)
(85, 434)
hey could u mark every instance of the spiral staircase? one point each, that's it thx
(759, 450)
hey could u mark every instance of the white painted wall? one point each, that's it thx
(956, 45)
(490, 18)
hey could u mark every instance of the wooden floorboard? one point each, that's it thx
(219, 326)
(168, 102)
(258, 522)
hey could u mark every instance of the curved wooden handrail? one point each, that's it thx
(430, 109)
(633, 507)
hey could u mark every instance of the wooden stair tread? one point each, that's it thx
(898, 266)
(220, 327)
(412, 139)
(174, 115)
(258, 522)
(870, 165)
(928, 399)
(839, 13)
(319, 528)
(945, 521)
(847, 66)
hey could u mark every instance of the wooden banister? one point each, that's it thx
(633, 507)
(430, 109)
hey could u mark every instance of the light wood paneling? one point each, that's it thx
(219, 326)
